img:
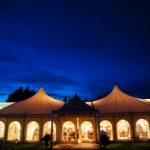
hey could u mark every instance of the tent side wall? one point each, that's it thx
(131, 119)
(41, 120)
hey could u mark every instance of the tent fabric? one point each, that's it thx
(76, 104)
(41, 104)
(118, 102)
(148, 100)
(5, 104)
(38, 104)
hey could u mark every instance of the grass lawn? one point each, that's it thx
(37, 146)
(129, 146)
(113, 146)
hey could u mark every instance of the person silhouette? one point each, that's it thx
(104, 139)
(47, 138)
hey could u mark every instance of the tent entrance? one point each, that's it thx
(78, 130)
(86, 130)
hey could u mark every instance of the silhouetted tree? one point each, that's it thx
(20, 94)
(65, 99)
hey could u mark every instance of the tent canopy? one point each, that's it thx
(76, 104)
(118, 102)
(38, 104)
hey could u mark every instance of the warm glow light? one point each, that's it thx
(68, 133)
(47, 129)
(123, 130)
(32, 131)
(106, 126)
(142, 129)
(14, 131)
(87, 130)
(2, 129)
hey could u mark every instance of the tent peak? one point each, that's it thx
(116, 87)
(41, 90)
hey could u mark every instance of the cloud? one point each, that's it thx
(34, 77)
(2, 94)
(8, 58)
(43, 77)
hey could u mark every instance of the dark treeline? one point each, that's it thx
(20, 94)
(66, 99)
(24, 93)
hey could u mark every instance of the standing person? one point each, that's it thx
(46, 140)
(104, 140)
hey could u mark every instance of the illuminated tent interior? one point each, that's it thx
(32, 131)
(2, 129)
(68, 131)
(14, 131)
(106, 126)
(143, 130)
(78, 121)
(47, 129)
(87, 130)
(123, 129)
(121, 116)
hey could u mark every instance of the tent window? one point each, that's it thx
(87, 131)
(32, 131)
(47, 129)
(142, 129)
(14, 131)
(2, 129)
(106, 126)
(68, 131)
(123, 130)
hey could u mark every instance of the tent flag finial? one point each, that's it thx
(42, 85)
(115, 83)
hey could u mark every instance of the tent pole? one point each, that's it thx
(132, 126)
(23, 130)
(77, 130)
(51, 136)
(114, 128)
(6, 129)
(99, 130)
(96, 129)
(41, 128)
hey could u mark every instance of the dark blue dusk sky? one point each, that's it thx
(79, 46)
